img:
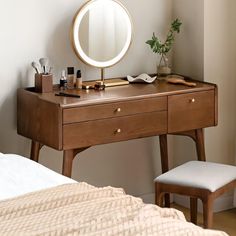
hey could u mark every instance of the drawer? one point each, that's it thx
(117, 109)
(90, 133)
(191, 111)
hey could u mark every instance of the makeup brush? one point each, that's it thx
(43, 62)
(35, 66)
(50, 70)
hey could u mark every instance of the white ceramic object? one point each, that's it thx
(141, 78)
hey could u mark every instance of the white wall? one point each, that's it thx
(220, 59)
(219, 64)
(189, 44)
(188, 59)
(33, 29)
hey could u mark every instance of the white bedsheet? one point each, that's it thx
(19, 175)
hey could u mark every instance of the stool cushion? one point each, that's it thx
(199, 174)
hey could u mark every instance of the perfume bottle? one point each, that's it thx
(70, 77)
(78, 83)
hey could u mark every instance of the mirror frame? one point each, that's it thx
(76, 43)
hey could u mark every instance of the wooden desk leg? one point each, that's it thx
(68, 157)
(199, 139)
(198, 136)
(35, 148)
(164, 162)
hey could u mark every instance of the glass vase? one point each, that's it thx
(163, 68)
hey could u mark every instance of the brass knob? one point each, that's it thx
(118, 109)
(192, 100)
(118, 131)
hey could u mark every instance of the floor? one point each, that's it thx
(225, 221)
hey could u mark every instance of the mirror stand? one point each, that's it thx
(100, 85)
(102, 75)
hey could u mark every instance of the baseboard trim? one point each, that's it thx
(150, 198)
(222, 203)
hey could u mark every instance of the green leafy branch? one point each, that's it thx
(163, 48)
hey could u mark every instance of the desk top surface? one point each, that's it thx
(121, 93)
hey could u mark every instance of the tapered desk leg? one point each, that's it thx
(35, 148)
(199, 139)
(164, 162)
(198, 136)
(68, 157)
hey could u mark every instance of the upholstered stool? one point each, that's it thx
(197, 179)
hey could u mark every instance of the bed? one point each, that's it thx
(37, 201)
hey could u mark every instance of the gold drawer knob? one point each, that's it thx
(118, 131)
(192, 100)
(118, 109)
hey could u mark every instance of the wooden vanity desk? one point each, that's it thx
(116, 114)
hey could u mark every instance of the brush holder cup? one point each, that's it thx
(43, 83)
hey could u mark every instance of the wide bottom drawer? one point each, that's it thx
(90, 133)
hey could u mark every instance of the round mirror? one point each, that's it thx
(101, 32)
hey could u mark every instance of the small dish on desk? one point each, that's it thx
(143, 78)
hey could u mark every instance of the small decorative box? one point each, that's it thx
(43, 83)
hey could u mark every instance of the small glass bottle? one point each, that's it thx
(78, 83)
(70, 77)
(63, 81)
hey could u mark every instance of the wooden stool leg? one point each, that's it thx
(164, 162)
(167, 199)
(193, 210)
(158, 196)
(208, 213)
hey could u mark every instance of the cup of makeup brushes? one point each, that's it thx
(43, 83)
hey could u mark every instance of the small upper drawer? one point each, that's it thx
(191, 111)
(94, 112)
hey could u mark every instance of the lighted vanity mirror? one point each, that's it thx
(101, 32)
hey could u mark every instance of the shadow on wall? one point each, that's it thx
(60, 52)
(8, 124)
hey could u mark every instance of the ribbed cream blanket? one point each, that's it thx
(81, 209)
